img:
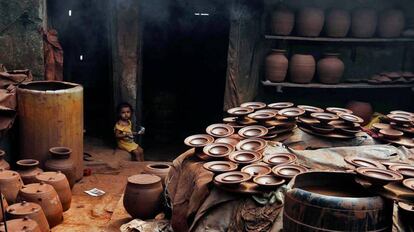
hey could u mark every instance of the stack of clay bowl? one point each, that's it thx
(397, 128)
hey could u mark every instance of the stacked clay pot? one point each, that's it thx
(3, 163)
(5, 205)
(46, 196)
(282, 21)
(310, 21)
(158, 169)
(28, 169)
(60, 183)
(391, 23)
(29, 210)
(142, 196)
(337, 23)
(20, 225)
(60, 161)
(364, 22)
(330, 69)
(276, 66)
(302, 68)
(10, 184)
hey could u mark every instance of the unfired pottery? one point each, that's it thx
(282, 21)
(364, 22)
(330, 69)
(337, 23)
(3, 163)
(60, 161)
(391, 23)
(310, 21)
(10, 184)
(302, 68)
(60, 183)
(28, 169)
(276, 66)
(30, 210)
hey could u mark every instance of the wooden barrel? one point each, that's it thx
(326, 201)
(51, 115)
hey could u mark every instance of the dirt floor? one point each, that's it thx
(110, 168)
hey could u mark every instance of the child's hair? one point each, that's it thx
(123, 105)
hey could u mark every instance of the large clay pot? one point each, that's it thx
(60, 183)
(30, 210)
(282, 21)
(28, 169)
(20, 225)
(364, 22)
(276, 66)
(5, 205)
(302, 68)
(330, 69)
(310, 21)
(361, 109)
(142, 196)
(158, 169)
(46, 196)
(10, 184)
(391, 23)
(337, 23)
(3, 163)
(60, 161)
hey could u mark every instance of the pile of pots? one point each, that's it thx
(360, 22)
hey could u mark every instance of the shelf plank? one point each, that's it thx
(337, 86)
(345, 39)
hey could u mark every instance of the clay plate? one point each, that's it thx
(363, 162)
(257, 169)
(325, 117)
(220, 166)
(399, 119)
(268, 181)
(291, 112)
(389, 163)
(280, 105)
(322, 128)
(199, 140)
(310, 109)
(253, 131)
(378, 176)
(308, 121)
(229, 140)
(254, 144)
(350, 118)
(244, 157)
(240, 111)
(379, 126)
(391, 133)
(288, 171)
(279, 158)
(409, 183)
(254, 105)
(218, 150)
(336, 110)
(220, 130)
(404, 128)
(403, 113)
(406, 170)
(267, 111)
(232, 178)
(262, 116)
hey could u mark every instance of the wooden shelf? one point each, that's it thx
(345, 39)
(337, 86)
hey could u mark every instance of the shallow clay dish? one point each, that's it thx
(322, 128)
(291, 112)
(279, 158)
(391, 133)
(310, 109)
(350, 118)
(257, 169)
(199, 140)
(267, 111)
(403, 113)
(280, 105)
(232, 178)
(240, 111)
(220, 130)
(268, 181)
(288, 171)
(254, 105)
(409, 183)
(220, 166)
(262, 116)
(377, 176)
(379, 126)
(336, 110)
(244, 157)
(399, 119)
(406, 170)
(254, 144)
(253, 131)
(308, 120)
(325, 117)
(389, 163)
(363, 162)
(232, 140)
(218, 150)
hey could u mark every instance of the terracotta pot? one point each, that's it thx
(282, 21)
(3, 163)
(276, 66)
(20, 225)
(330, 69)
(364, 22)
(5, 205)
(10, 184)
(60, 183)
(302, 68)
(30, 210)
(142, 196)
(310, 21)
(391, 23)
(158, 169)
(361, 109)
(46, 196)
(60, 161)
(28, 169)
(337, 23)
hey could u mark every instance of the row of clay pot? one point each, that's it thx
(363, 22)
(302, 68)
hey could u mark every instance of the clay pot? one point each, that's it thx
(158, 169)
(330, 69)
(10, 184)
(361, 109)
(30, 210)
(364, 22)
(282, 21)
(3, 163)
(302, 68)
(60, 183)
(143, 195)
(60, 161)
(391, 23)
(310, 21)
(28, 169)
(20, 225)
(46, 196)
(337, 23)
(5, 205)
(276, 66)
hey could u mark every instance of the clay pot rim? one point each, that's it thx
(254, 105)
(60, 151)
(158, 166)
(27, 163)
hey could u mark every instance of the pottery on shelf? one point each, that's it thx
(30, 210)
(364, 22)
(276, 66)
(310, 21)
(330, 69)
(60, 183)
(337, 23)
(60, 161)
(282, 21)
(302, 68)
(3, 163)
(28, 169)
(158, 169)
(10, 184)
(391, 23)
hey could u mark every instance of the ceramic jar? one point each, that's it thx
(310, 21)
(3, 163)
(361, 109)
(302, 68)
(282, 21)
(30, 210)
(10, 184)
(276, 66)
(143, 195)
(60, 161)
(337, 23)
(330, 69)
(20, 225)
(5, 205)
(158, 169)
(46, 196)
(364, 22)
(28, 169)
(391, 23)
(60, 183)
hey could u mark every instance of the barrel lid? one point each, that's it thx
(20, 225)
(144, 179)
(8, 174)
(50, 176)
(23, 208)
(36, 188)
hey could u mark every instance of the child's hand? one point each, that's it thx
(141, 131)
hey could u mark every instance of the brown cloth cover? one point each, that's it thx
(53, 56)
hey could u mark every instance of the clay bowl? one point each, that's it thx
(220, 166)
(244, 157)
(199, 140)
(310, 109)
(218, 150)
(233, 178)
(253, 131)
(220, 130)
(350, 118)
(389, 163)
(391, 133)
(280, 105)
(268, 181)
(406, 170)
(254, 105)
(232, 140)
(325, 117)
(291, 113)
(262, 116)
(288, 171)
(257, 169)
(378, 176)
(379, 126)
(400, 119)
(322, 128)
(336, 110)
(409, 183)
(268, 111)
(363, 162)
(240, 111)
(254, 144)
(403, 113)
(279, 158)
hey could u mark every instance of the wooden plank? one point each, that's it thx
(337, 86)
(345, 39)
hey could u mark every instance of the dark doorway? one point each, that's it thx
(83, 29)
(184, 70)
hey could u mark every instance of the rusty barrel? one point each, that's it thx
(333, 201)
(51, 115)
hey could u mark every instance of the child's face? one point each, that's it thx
(125, 113)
